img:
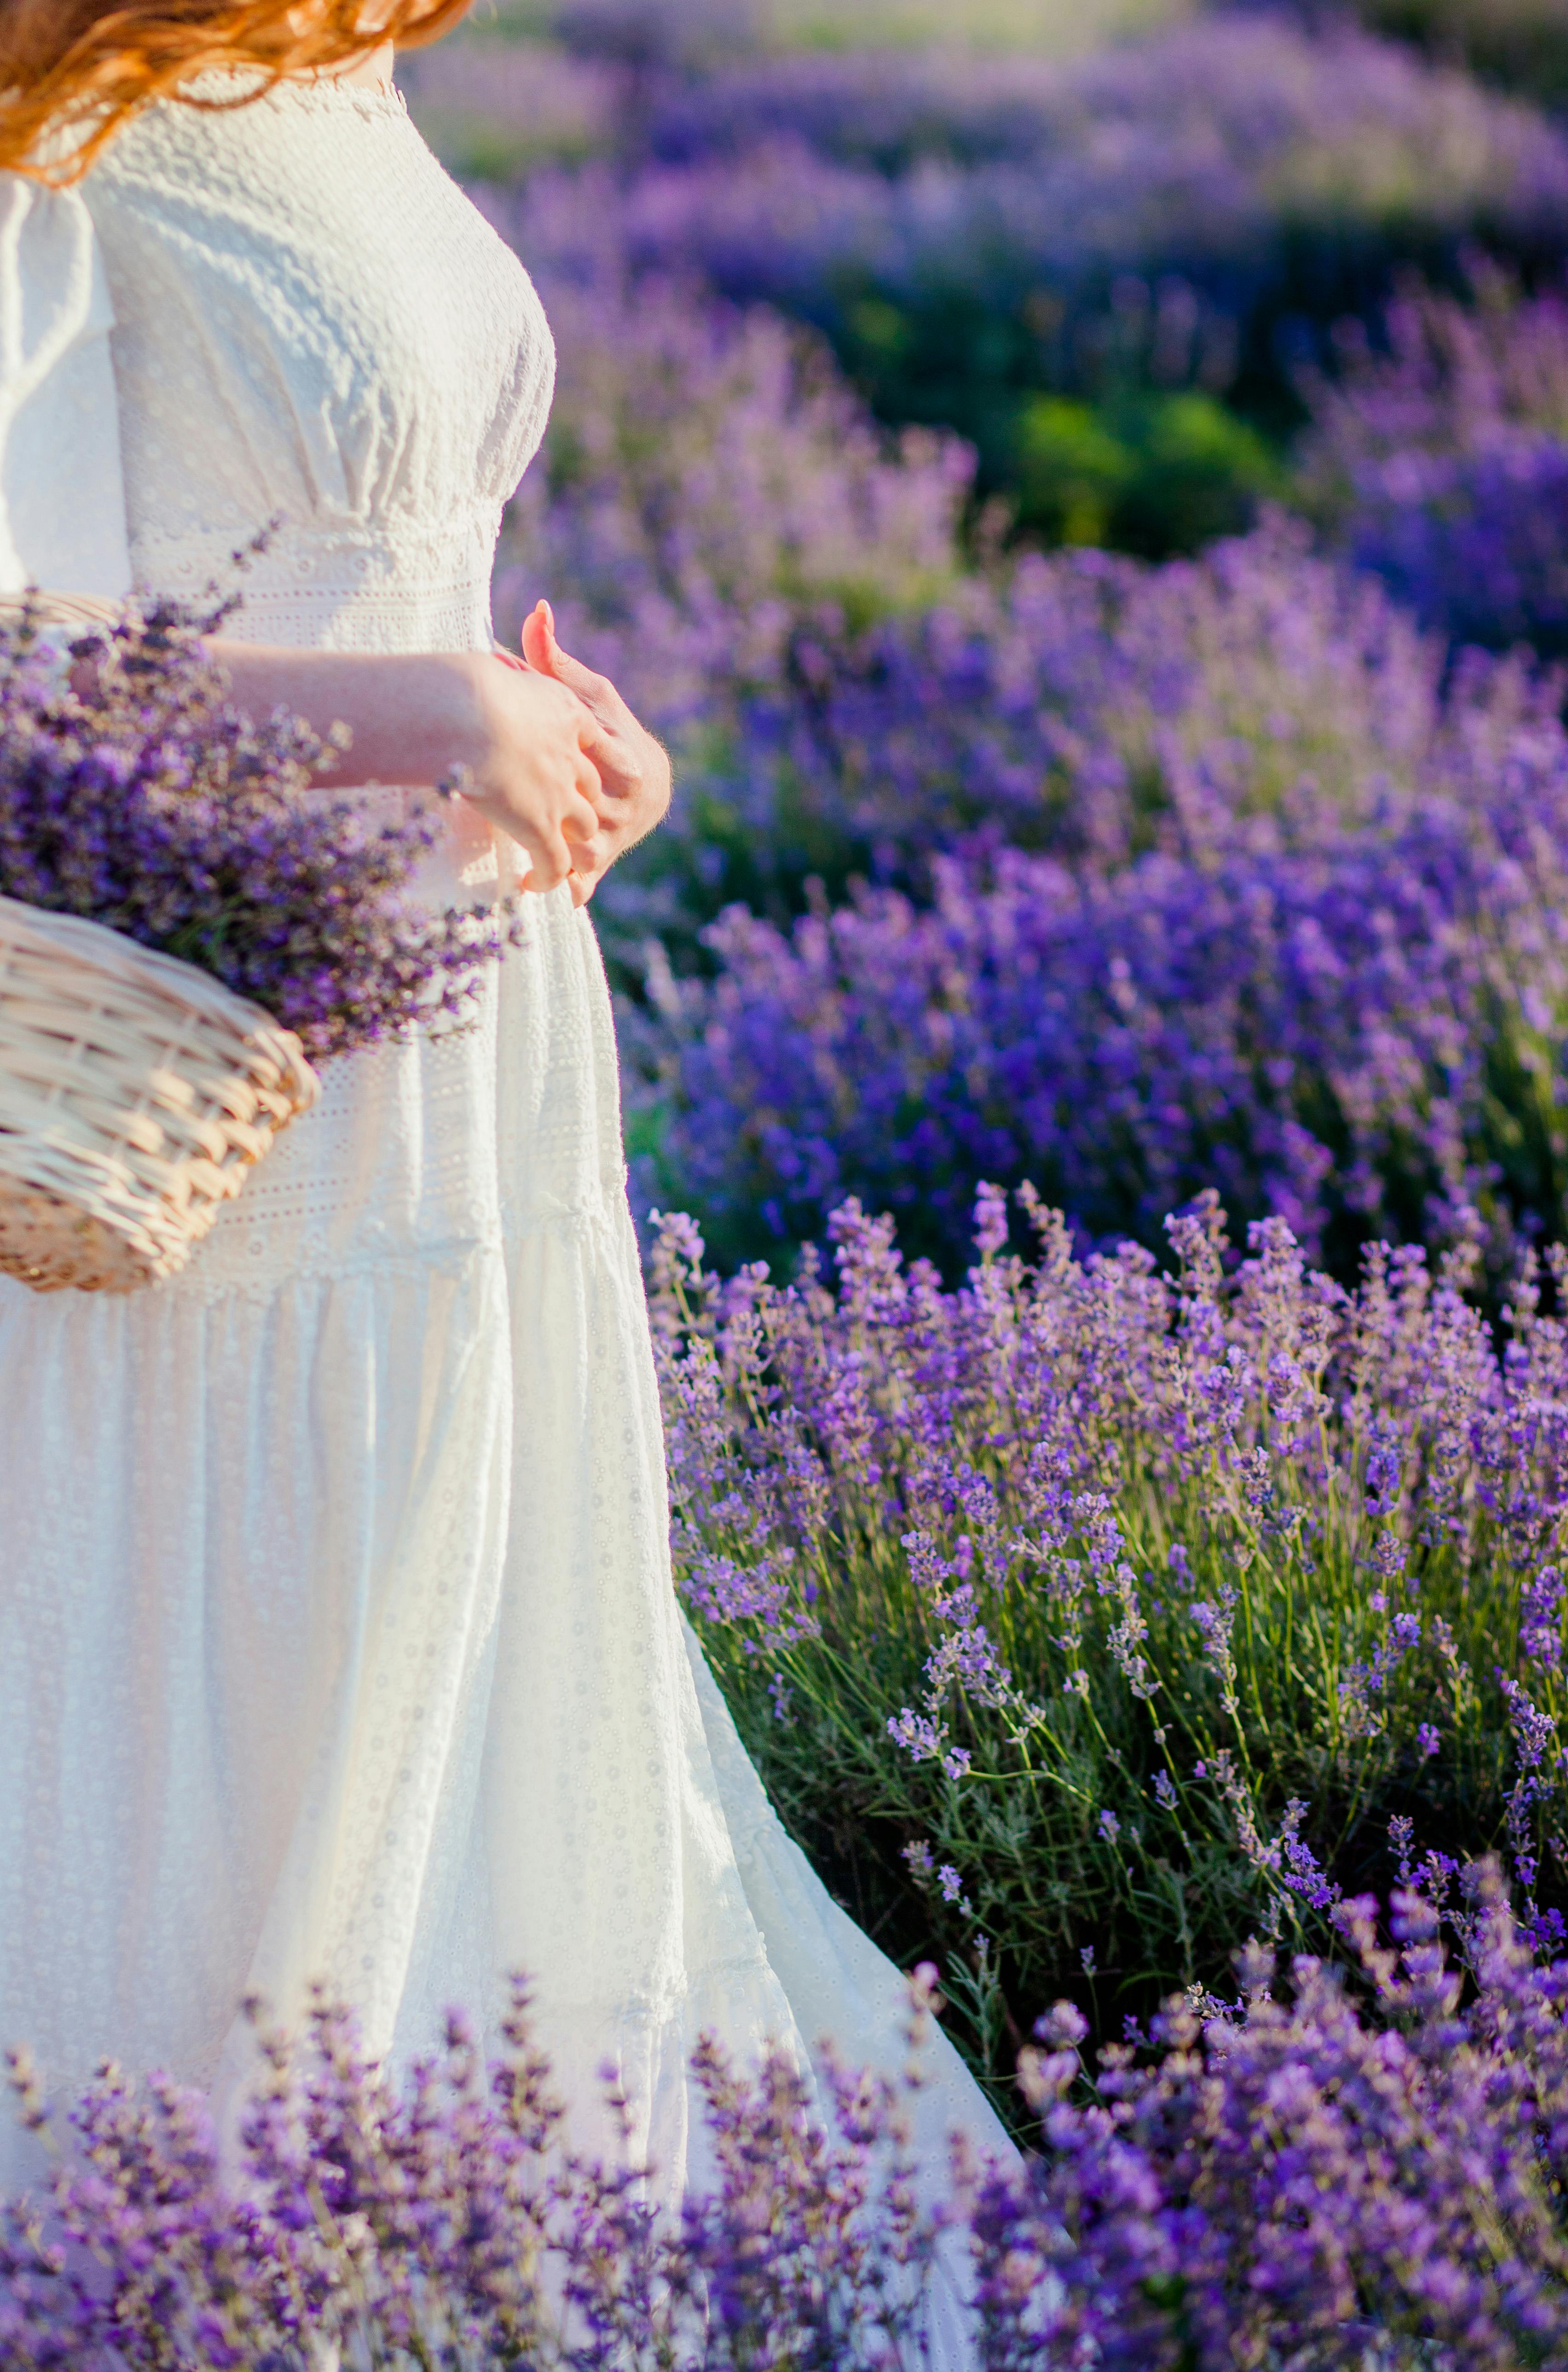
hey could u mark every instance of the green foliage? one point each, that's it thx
(1152, 474)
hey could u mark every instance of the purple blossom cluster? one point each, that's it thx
(134, 792)
(1304, 2177)
(1089, 1608)
(1441, 458)
(1339, 2166)
(446, 2220)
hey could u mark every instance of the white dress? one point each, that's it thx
(337, 1634)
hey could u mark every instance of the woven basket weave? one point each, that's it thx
(136, 1093)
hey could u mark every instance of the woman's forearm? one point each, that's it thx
(524, 741)
(412, 718)
(532, 750)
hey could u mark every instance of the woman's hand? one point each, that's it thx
(550, 752)
(536, 767)
(634, 769)
(525, 750)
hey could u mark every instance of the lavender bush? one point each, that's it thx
(1442, 461)
(143, 800)
(448, 2222)
(1294, 2180)
(1328, 980)
(1322, 2172)
(1087, 1616)
(1083, 707)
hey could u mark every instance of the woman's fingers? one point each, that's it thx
(601, 746)
(617, 746)
(544, 654)
(580, 819)
(542, 777)
(536, 638)
(593, 786)
(550, 863)
(622, 773)
(555, 855)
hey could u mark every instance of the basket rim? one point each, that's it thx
(107, 951)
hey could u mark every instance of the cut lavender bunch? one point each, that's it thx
(134, 792)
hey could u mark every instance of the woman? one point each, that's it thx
(337, 1632)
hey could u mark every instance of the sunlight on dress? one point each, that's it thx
(340, 1637)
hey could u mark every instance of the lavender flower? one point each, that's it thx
(1540, 1619)
(1314, 976)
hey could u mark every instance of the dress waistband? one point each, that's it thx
(395, 585)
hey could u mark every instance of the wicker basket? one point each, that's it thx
(135, 1094)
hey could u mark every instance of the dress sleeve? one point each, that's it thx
(62, 494)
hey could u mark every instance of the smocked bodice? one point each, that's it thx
(312, 324)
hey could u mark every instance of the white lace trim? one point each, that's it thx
(389, 586)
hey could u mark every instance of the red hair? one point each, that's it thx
(81, 68)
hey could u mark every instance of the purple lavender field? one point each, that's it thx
(1088, 508)
(1085, 500)
(1084, 494)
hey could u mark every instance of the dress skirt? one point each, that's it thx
(340, 1637)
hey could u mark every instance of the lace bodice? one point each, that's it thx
(318, 330)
